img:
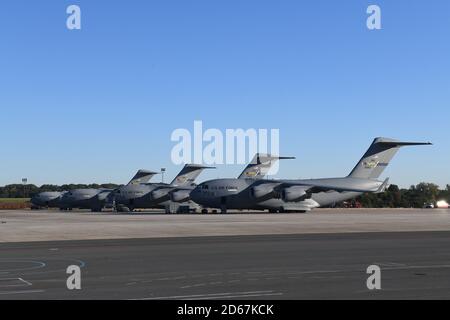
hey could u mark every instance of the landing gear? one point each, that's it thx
(177, 209)
(204, 211)
(96, 210)
(282, 210)
(122, 208)
(273, 211)
(223, 205)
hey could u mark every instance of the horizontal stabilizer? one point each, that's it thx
(394, 144)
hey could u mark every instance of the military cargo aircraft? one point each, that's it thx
(157, 195)
(96, 199)
(47, 199)
(301, 195)
(257, 169)
(93, 199)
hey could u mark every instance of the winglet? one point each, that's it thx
(384, 186)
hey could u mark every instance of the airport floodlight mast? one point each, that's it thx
(163, 170)
(24, 184)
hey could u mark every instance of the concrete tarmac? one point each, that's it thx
(320, 255)
(25, 226)
(414, 265)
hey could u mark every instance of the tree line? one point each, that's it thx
(414, 197)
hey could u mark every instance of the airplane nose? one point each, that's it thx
(34, 200)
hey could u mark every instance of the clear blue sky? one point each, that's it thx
(95, 105)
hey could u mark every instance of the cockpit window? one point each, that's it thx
(205, 187)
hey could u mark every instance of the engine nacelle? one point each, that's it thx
(102, 196)
(159, 194)
(294, 194)
(264, 192)
(180, 196)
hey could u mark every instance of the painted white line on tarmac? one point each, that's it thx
(243, 296)
(211, 295)
(21, 292)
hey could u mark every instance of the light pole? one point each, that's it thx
(24, 183)
(163, 170)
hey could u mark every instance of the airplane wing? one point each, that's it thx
(180, 194)
(161, 194)
(296, 191)
(325, 187)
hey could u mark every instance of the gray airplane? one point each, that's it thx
(47, 199)
(157, 195)
(257, 169)
(301, 195)
(96, 199)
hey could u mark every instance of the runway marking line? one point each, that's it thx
(216, 295)
(437, 266)
(243, 296)
(39, 264)
(20, 284)
(21, 292)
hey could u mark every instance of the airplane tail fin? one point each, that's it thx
(188, 174)
(142, 176)
(260, 166)
(378, 156)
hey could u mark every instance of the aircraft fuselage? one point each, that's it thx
(240, 193)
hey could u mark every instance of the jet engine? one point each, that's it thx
(180, 195)
(294, 194)
(159, 194)
(264, 192)
(102, 196)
